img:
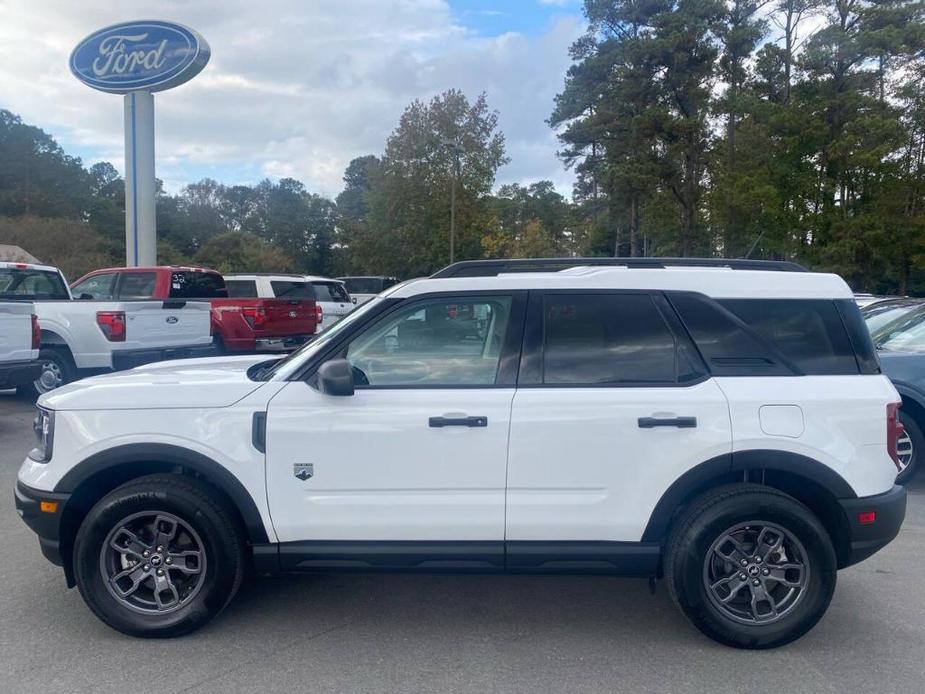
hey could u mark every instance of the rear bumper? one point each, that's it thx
(44, 524)
(19, 373)
(286, 343)
(889, 511)
(130, 358)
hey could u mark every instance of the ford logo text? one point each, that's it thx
(144, 55)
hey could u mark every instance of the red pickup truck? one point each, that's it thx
(238, 324)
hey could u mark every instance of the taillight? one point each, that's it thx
(894, 429)
(256, 316)
(112, 323)
(319, 314)
(36, 332)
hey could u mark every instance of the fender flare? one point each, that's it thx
(910, 392)
(739, 461)
(215, 473)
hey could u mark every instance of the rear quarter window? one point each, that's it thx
(197, 285)
(242, 289)
(809, 332)
(292, 289)
(331, 291)
(777, 337)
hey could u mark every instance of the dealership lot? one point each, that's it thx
(367, 633)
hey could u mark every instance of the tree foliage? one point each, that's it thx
(741, 128)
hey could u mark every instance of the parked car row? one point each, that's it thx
(116, 318)
(103, 333)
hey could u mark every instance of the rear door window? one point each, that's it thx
(197, 285)
(608, 339)
(242, 289)
(292, 289)
(136, 285)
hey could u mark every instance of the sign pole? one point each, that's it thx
(136, 59)
(140, 221)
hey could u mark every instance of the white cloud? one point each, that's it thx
(293, 88)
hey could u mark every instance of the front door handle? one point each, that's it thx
(440, 422)
(680, 422)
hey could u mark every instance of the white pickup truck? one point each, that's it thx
(80, 337)
(19, 345)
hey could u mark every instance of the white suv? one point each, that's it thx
(330, 295)
(726, 428)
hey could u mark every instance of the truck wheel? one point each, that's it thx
(159, 556)
(750, 566)
(57, 370)
(909, 448)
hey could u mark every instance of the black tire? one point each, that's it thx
(202, 517)
(917, 443)
(58, 369)
(746, 506)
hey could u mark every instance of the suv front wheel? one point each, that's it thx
(750, 566)
(158, 556)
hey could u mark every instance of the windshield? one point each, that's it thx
(29, 284)
(878, 316)
(285, 367)
(905, 334)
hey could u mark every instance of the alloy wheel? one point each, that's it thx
(756, 572)
(50, 378)
(153, 562)
(905, 451)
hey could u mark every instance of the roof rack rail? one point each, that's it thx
(490, 268)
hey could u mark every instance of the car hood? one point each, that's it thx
(183, 383)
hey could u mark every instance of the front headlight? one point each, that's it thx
(44, 427)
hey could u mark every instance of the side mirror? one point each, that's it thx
(335, 377)
(85, 297)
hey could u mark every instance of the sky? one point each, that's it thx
(299, 87)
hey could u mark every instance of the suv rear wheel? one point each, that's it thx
(909, 448)
(750, 566)
(158, 556)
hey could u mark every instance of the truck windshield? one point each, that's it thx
(197, 285)
(29, 284)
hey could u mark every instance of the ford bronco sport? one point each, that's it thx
(725, 428)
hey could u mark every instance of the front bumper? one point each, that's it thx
(45, 524)
(130, 358)
(889, 511)
(19, 373)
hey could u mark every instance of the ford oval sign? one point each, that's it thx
(139, 56)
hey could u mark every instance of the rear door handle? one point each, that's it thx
(680, 422)
(440, 422)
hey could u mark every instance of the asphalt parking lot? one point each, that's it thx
(394, 633)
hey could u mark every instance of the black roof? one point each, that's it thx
(489, 268)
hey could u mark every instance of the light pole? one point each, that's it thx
(457, 149)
